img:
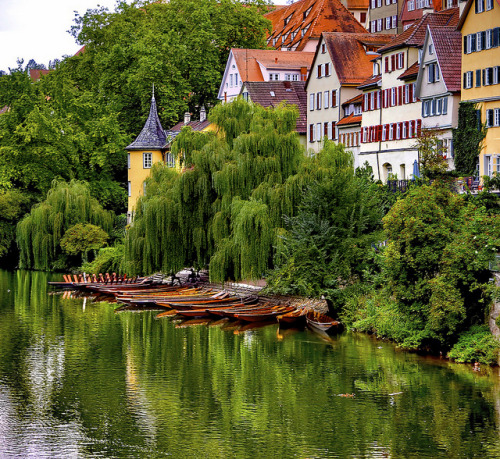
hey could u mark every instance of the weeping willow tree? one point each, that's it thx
(40, 232)
(224, 209)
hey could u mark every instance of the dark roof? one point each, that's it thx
(415, 34)
(448, 45)
(323, 16)
(152, 134)
(174, 131)
(410, 73)
(347, 51)
(292, 92)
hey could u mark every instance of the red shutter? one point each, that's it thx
(311, 132)
(325, 129)
(411, 94)
(379, 132)
(386, 62)
(334, 132)
(393, 62)
(334, 98)
(419, 127)
(400, 98)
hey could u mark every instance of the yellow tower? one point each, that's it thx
(148, 148)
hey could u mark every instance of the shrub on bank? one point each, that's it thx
(476, 345)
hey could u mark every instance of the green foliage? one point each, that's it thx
(108, 260)
(476, 345)
(431, 153)
(81, 238)
(327, 244)
(436, 263)
(468, 138)
(39, 233)
(13, 204)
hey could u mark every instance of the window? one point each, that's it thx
(489, 38)
(479, 41)
(419, 4)
(319, 96)
(334, 98)
(274, 76)
(391, 131)
(445, 106)
(170, 160)
(373, 27)
(329, 134)
(318, 132)
(362, 18)
(425, 108)
(320, 66)
(375, 69)
(411, 5)
(393, 97)
(388, 22)
(479, 6)
(404, 133)
(489, 5)
(398, 131)
(468, 80)
(325, 129)
(496, 117)
(288, 77)
(326, 97)
(295, 77)
(379, 3)
(147, 160)
(379, 25)
(311, 101)
(128, 160)
(323, 48)
(311, 133)
(129, 187)
(478, 78)
(394, 21)
(306, 13)
(432, 72)
(489, 118)
(401, 60)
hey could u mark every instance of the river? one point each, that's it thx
(79, 380)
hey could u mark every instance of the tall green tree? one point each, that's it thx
(40, 232)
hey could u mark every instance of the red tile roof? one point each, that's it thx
(372, 81)
(36, 74)
(448, 45)
(247, 61)
(350, 119)
(308, 19)
(414, 36)
(410, 73)
(194, 125)
(350, 60)
(293, 92)
(358, 4)
(355, 100)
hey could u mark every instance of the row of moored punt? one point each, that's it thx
(208, 304)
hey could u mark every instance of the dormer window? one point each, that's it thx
(431, 49)
(287, 20)
(375, 69)
(305, 29)
(306, 13)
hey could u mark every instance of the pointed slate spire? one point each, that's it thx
(152, 135)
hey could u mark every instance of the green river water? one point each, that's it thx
(79, 380)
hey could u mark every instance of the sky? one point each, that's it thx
(34, 29)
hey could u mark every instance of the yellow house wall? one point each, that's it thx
(487, 97)
(137, 174)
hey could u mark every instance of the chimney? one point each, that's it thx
(203, 114)
(187, 118)
(275, 60)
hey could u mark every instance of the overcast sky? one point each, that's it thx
(34, 29)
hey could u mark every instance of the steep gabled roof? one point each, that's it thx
(247, 61)
(350, 60)
(272, 93)
(308, 19)
(448, 45)
(152, 134)
(415, 34)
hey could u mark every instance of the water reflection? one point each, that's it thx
(76, 379)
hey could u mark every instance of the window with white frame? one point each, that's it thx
(398, 131)
(129, 189)
(288, 77)
(329, 128)
(295, 77)
(468, 80)
(393, 97)
(318, 132)
(170, 160)
(327, 69)
(373, 4)
(496, 118)
(373, 26)
(128, 160)
(230, 80)
(394, 21)
(147, 160)
(319, 97)
(401, 60)
(489, 5)
(411, 5)
(326, 99)
(274, 76)
(404, 132)
(419, 4)
(311, 101)
(379, 3)
(391, 131)
(479, 41)
(388, 20)
(479, 6)
(433, 72)
(379, 25)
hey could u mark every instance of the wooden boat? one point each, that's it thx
(262, 315)
(322, 323)
(190, 323)
(169, 313)
(230, 312)
(198, 304)
(296, 317)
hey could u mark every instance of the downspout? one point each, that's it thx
(380, 124)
